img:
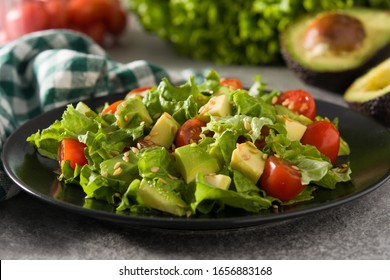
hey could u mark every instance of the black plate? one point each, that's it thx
(370, 163)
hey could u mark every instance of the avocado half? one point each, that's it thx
(370, 93)
(356, 40)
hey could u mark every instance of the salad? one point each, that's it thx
(198, 149)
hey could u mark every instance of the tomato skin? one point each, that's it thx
(85, 12)
(26, 18)
(189, 132)
(57, 12)
(299, 101)
(141, 91)
(96, 31)
(325, 137)
(280, 179)
(72, 150)
(111, 109)
(235, 83)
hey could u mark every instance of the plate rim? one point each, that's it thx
(178, 223)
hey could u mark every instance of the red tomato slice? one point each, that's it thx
(232, 82)
(111, 109)
(72, 150)
(298, 101)
(325, 137)
(280, 179)
(189, 132)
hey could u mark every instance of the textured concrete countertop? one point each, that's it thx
(32, 229)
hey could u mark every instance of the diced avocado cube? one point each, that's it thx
(132, 109)
(123, 167)
(85, 109)
(218, 106)
(192, 159)
(157, 197)
(164, 131)
(219, 181)
(249, 160)
(295, 129)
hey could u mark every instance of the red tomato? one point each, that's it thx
(232, 82)
(299, 101)
(112, 108)
(97, 31)
(117, 21)
(57, 12)
(141, 91)
(189, 132)
(73, 151)
(26, 18)
(86, 12)
(280, 179)
(325, 137)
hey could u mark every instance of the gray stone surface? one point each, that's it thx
(32, 229)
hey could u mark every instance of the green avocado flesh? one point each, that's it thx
(370, 93)
(335, 71)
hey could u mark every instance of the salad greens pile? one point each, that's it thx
(135, 175)
(230, 31)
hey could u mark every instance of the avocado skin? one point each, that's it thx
(336, 81)
(377, 108)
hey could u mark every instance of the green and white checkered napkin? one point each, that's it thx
(48, 69)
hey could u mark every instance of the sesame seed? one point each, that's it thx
(134, 150)
(286, 102)
(117, 171)
(155, 169)
(125, 158)
(247, 125)
(156, 116)
(264, 156)
(114, 153)
(142, 123)
(163, 181)
(172, 177)
(274, 100)
(246, 157)
(295, 167)
(291, 105)
(105, 174)
(126, 118)
(117, 165)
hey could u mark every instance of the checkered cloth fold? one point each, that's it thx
(49, 69)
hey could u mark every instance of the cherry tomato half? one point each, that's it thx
(72, 150)
(189, 132)
(232, 82)
(141, 91)
(298, 101)
(111, 109)
(280, 179)
(325, 137)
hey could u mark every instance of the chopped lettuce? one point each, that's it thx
(134, 175)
